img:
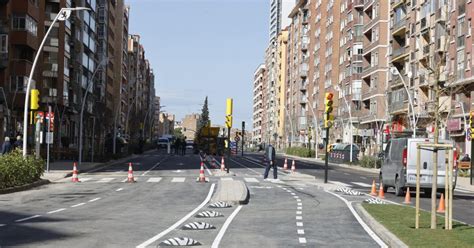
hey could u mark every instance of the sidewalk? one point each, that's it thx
(464, 183)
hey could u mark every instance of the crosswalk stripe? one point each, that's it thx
(362, 184)
(85, 179)
(154, 180)
(106, 180)
(227, 179)
(178, 179)
(341, 184)
(251, 180)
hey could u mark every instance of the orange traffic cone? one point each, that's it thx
(441, 206)
(381, 193)
(293, 166)
(407, 197)
(222, 164)
(202, 177)
(131, 179)
(373, 192)
(75, 178)
(285, 166)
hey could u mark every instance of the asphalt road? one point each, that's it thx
(105, 211)
(463, 200)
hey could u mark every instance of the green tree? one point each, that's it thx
(202, 123)
(178, 133)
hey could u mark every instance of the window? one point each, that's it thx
(18, 83)
(25, 23)
(3, 43)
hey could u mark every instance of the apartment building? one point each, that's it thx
(281, 73)
(191, 122)
(258, 106)
(270, 119)
(156, 117)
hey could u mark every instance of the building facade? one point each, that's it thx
(190, 125)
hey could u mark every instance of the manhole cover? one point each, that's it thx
(220, 205)
(180, 242)
(198, 226)
(209, 214)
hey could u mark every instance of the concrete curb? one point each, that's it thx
(389, 238)
(234, 192)
(15, 189)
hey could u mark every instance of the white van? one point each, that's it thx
(399, 165)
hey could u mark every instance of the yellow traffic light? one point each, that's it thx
(34, 101)
(228, 121)
(328, 102)
(471, 121)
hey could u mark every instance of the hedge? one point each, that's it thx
(300, 152)
(17, 171)
(370, 162)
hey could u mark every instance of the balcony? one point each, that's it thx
(303, 72)
(398, 27)
(356, 96)
(304, 100)
(398, 52)
(368, 70)
(356, 58)
(368, 26)
(368, 3)
(368, 93)
(396, 3)
(304, 43)
(398, 101)
(426, 50)
(358, 3)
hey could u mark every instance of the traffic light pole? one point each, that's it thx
(326, 158)
(472, 160)
(243, 137)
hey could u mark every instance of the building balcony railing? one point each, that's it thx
(397, 25)
(356, 96)
(368, 26)
(368, 3)
(356, 57)
(368, 93)
(396, 3)
(303, 71)
(398, 52)
(368, 70)
(358, 3)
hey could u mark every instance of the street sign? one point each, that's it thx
(49, 138)
(237, 138)
(50, 118)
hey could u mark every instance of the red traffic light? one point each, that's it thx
(329, 96)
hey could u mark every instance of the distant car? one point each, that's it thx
(190, 144)
(162, 143)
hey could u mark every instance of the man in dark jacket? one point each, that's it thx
(7, 146)
(270, 155)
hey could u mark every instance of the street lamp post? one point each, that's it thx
(394, 70)
(350, 120)
(63, 15)
(81, 121)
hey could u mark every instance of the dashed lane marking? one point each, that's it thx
(154, 166)
(198, 226)
(56, 211)
(105, 180)
(347, 174)
(365, 178)
(85, 179)
(251, 180)
(209, 214)
(120, 189)
(362, 184)
(298, 200)
(299, 208)
(154, 180)
(299, 223)
(124, 180)
(299, 217)
(293, 193)
(78, 205)
(2, 225)
(178, 179)
(227, 179)
(28, 218)
(180, 242)
(302, 240)
(299, 204)
(300, 231)
(95, 199)
(299, 212)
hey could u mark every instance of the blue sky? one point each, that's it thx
(203, 47)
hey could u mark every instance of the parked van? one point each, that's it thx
(399, 165)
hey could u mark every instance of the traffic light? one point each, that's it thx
(34, 101)
(471, 122)
(228, 121)
(328, 102)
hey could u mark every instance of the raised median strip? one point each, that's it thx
(233, 192)
(24, 187)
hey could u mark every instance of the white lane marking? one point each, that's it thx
(85, 179)
(347, 174)
(299, 203)
(365, 178)
(254, 171)
(299, 223)
(279, 171)
(299, 217)
(95, 199)
(298, 200)
(296, 197)
(56, 211)
(299, 208)
(300, 231)
(219, 236)
(154, 166)
(341, 184)
(227, 179)
(299, 212)
(78, 205)
(28, 218)
(105, 180)
(2, 225)
(362, 184)
(154, 180)
(208, 171)
(178, 223)
(178, 179)
(119, 189)
(293, 193)
(124, 180)
(302, 240)
(284, 188)
(253, 180)
(361, 222)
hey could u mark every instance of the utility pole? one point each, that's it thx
(243, 137)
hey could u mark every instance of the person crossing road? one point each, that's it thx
(270, 155)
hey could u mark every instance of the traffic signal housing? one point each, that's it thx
(34, 99)
(328, 103)
(228, 121)
(471, 123)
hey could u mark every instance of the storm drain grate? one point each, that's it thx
(209, 214)
(220, 205)
(198, 226)
(180, 242)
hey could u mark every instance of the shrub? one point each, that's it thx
(370, 162)
(300, 152)
(16, 170)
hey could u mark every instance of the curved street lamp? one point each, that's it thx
(63, 15)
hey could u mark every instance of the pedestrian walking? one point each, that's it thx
(177, 146)
(183, 146)
(7, 146)
(270, 155)
(18, 143)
